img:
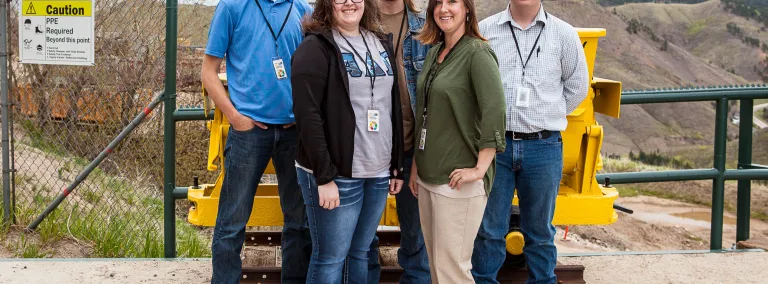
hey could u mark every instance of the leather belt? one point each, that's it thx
(529, 136)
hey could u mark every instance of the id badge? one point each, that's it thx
(373, 120)
(523, 97)
(279, 68)
(423, 138)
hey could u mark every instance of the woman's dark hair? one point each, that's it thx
(322, 18)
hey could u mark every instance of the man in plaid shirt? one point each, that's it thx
(545, 77)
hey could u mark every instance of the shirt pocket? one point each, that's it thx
(418, 64)
(418, 55)
(547, 74)
(548, 63)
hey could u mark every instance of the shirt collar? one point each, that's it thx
(275, 1)
(415, 21)
(540, 17)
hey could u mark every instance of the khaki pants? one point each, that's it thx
(450, 226)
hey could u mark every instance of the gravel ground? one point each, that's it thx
(746, 267)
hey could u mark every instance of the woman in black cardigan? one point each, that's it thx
(347, 109)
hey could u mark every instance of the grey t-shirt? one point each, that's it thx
(373, 150)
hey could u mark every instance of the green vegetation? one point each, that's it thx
(735, 30)
(37, 136)
(753, 9)
(656, 159)
(96, 224)
(629, 191)
(696, 27)
(635, 26)
(27, 248)
(665, 45)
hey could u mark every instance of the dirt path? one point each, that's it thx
(106, 271)
(712, 268)
(657, 224)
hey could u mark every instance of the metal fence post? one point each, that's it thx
(169, 127)
(743, 211)
(718, 184)
(6, 122)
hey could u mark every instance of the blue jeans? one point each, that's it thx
(535, 168)
(247, 155)
(412, 254)
(341, 237)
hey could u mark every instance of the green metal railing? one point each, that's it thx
(745, 173)
(169, 130)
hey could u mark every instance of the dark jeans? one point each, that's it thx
(247, 155)
(341, 237)
(412, 254)
(535, 168)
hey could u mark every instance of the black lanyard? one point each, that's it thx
(271, 31)
(367, 71)
(399, 35)
(532, 48)
(434, 70)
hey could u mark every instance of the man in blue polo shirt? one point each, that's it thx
(257, 38)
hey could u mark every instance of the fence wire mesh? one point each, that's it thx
(63, 116)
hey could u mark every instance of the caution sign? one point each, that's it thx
(30, 10)
(57, 32)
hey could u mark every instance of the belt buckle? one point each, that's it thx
(514, 137)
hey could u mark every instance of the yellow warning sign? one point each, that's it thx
(57, 8)
(31, 10)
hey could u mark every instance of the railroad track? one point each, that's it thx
(566, 274)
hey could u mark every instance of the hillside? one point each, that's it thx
(637, 61)
(753, 9)
(622, 2)
(702, 29)
(701, 156)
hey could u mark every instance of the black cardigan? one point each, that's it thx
(324, 115)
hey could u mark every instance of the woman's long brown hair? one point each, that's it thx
(431, 33)
(322, 18)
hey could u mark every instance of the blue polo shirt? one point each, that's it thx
(239, 33)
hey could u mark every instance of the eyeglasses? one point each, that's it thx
(345, 1)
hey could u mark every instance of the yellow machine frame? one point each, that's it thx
(581, 200)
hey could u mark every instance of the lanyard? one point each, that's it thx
(367, 70)
(532, 47)
(399, 35)
(271, 31)
(434, 70)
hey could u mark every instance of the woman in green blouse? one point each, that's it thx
(460, 117)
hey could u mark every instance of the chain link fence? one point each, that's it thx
(63, 116)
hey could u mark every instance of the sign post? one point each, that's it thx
(57, 32)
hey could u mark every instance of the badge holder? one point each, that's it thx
(373, 120)
(279, 66)
(423, 138)
(523, 97)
